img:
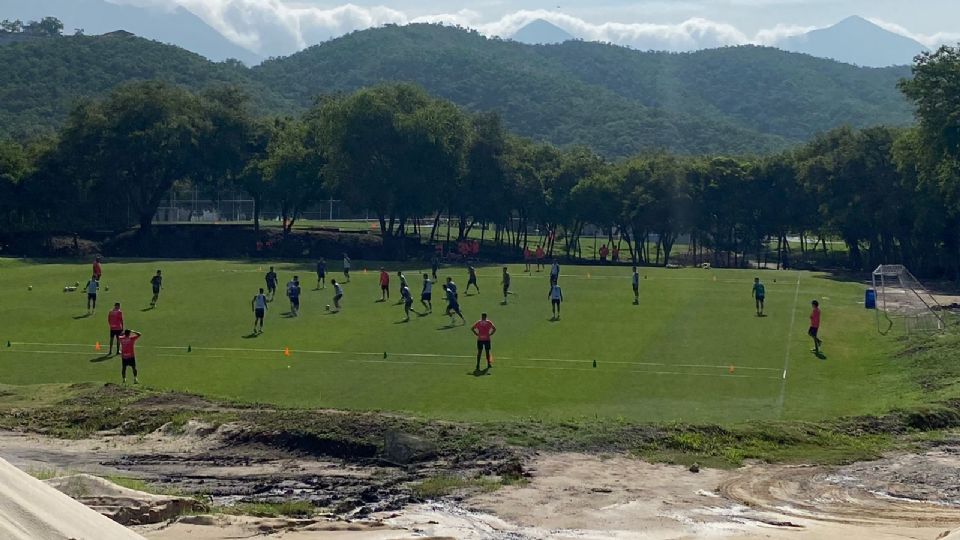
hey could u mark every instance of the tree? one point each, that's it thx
(389, 148)
(292, 169)
(12, 27)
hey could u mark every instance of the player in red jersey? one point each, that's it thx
(484, 329)
(128, 356)
(115, 320)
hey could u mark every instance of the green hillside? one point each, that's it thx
(615, 100)
(43, 78)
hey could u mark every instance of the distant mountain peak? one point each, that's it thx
(856, 40)
(541, 32)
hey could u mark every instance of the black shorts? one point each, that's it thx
(506, 289)
(346, 271)
(321, 275)
(636, 288)
(385, 288)
(472, 281)
(156, 290)
(555, 302)
(116, 333)
(295, 301)
(481, 345)
(760, 298)
(453, 306)
(812, 332)
(272, 287)
(129, 362)
(92, 296)
(337, 297)
(408, 304)
(426, 297)
(259, 313)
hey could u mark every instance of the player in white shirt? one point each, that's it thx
(259, 305)
(426, 296)
(93, 286)
(346, 267)
(556, 297)
(337, 294)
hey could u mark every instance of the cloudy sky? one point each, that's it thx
(283, 26)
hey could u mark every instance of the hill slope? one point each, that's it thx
(177, 26)
(44, 78)
(856, 40)
(615, 99)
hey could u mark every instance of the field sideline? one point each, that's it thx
(692, 351)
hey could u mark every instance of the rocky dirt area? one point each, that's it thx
(562, 496)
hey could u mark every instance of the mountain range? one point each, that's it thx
(618, 101)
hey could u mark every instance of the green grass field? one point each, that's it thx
(692, 351)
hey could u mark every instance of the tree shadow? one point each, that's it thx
(101, 358)
(86, 316)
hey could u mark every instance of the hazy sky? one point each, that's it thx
(680, 24)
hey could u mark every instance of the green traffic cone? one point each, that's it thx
(189, 348)
(594, 363)
(8, 343)
(384, 354)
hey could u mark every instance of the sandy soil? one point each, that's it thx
(569, 496)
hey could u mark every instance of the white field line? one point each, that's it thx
(786, 358)
(420, 355)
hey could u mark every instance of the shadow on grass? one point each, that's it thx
(446, 327)
(251, 336)
(820, 355)
(479, 372)
(86, 316)
(101, 358)
(402, 321)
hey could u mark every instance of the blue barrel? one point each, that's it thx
(870, 299)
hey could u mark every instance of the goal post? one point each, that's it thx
(903, 301)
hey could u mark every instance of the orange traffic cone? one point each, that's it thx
(97, 347)
(286, 351)
(732, 369)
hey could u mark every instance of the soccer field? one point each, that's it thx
(693, 350)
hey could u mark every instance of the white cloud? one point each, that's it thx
(280, 27)
(931, 41)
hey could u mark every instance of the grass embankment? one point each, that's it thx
(78, 410)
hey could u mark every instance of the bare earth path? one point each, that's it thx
(569, 496)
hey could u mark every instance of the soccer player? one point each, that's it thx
(156, 282)
(403, 283)
(337, 294)
(484, 329)
(527, 255)
(453, 305)
(97, 268)
(426, 295)
(271, 279)
(556, 297)
(554, 273)
(435, 265)
(407, 301)
(321, 274)
(259, 305)
(472, 279)
(540, 255)
(293, 293)
(115, 321)
(346, 267)
(92, 287)
(384, 285)
(127, 355)
(506, 284)
(636, 286)
(815, 327)
(759, 293)
(603, 254)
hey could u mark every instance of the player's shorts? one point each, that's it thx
(636, 288)
(555, 301)
(760, 298)
(813, 331)
(553, 279)
(426, 297)
(271, 286)
(337, 298)
(346, 271)
(408, 304)
(156, 290)
(385, 288)
(259, 313)
(129, 362)
(116, 333)
(506, 289)
(321, 275)
(453, 306)
(91, 296)
(295, 301)
(481, 345)
(472, 281)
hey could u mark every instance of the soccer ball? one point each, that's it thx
(328, 307)
(29, 287)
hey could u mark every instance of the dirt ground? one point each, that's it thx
(568, 496)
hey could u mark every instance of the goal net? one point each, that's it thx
(904, 302)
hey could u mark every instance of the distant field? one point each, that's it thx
(693, 350)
